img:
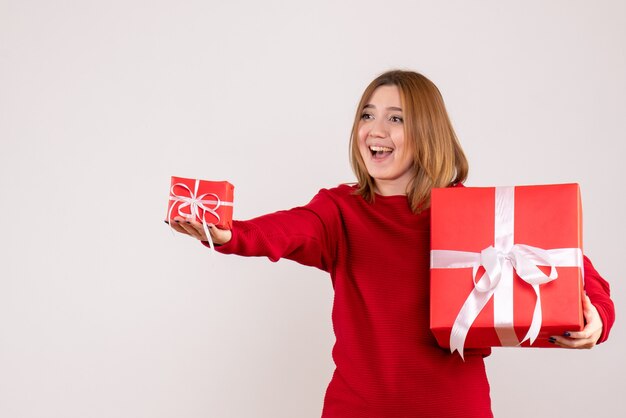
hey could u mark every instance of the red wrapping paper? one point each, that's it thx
(208, 201)
(463, 219)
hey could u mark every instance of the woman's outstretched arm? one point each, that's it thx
(308, 234)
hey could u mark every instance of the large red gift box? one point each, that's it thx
(506, 265)
(210, 202)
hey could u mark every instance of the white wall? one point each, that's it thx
(104, 314)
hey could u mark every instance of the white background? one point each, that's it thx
(103, 313)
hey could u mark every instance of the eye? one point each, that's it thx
(366, 116)
(396, 119)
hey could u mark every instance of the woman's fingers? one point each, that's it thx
(190, 227)
(175, 225)
(569, 342)
(193, 228)
(590, 334)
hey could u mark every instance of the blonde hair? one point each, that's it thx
(438, 159)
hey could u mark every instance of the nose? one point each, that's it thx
(378, 129)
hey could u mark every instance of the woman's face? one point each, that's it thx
(382, 144)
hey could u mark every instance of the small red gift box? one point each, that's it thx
(506, 265)
(210, 202)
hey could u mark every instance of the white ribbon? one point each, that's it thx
(499, 262)
(197, 206)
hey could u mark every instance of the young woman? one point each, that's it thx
(373, 239)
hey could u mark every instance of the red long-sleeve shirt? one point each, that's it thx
(388, 363)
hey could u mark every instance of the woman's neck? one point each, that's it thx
(390, 188)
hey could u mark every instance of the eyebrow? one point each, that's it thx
(389, 108)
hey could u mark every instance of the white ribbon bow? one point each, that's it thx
(197, 206)
(499, 262)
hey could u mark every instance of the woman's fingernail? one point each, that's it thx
(566, 334)
(166, 222)
(552, 340)
(177, 221)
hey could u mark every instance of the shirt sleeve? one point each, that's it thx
(306, 234)
(599, 293)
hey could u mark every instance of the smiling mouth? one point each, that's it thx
(379, 152)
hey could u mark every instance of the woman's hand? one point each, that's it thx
(190, 226)
(589, 336)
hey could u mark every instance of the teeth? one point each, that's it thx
(383, 149)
